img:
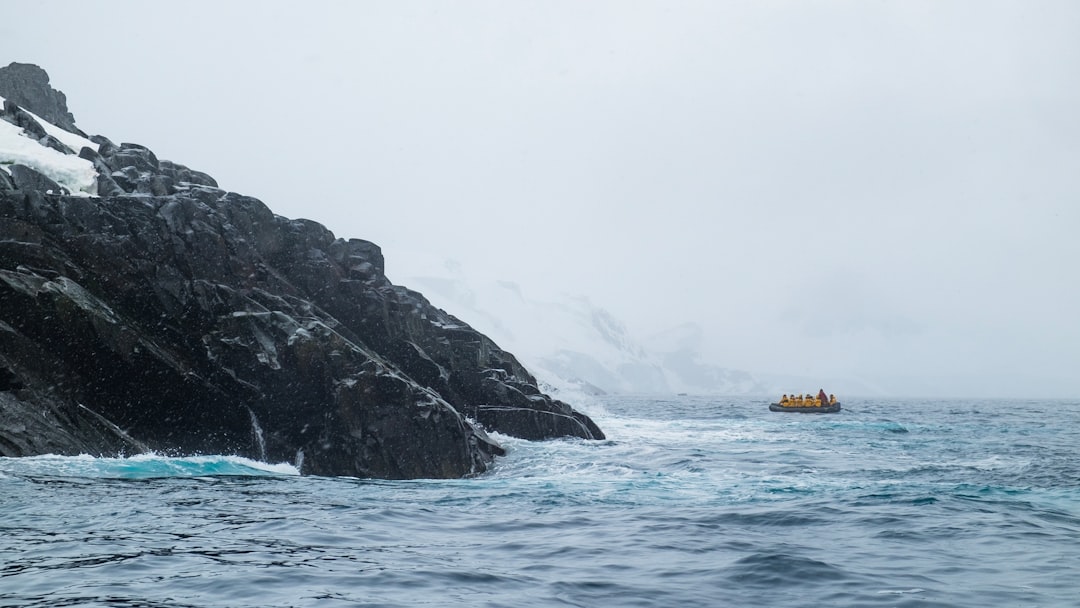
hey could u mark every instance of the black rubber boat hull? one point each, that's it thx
(828, 409)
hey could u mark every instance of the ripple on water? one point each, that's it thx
(695, 502)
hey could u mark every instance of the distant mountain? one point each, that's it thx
(679, 350)
(569, 342)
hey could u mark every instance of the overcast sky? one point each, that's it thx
(889, 190)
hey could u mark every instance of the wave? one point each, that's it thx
(141, 466)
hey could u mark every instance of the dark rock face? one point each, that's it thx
(25, 178)
(173, 316)
(27, 85)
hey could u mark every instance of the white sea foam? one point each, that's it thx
(140, 466)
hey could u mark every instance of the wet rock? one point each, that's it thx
(106, 185)
(25, 178)
(182, 175)
(189, 319)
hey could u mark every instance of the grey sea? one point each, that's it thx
(692, 501)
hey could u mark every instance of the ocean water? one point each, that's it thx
(692, 501)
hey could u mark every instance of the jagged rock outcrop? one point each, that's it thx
(170, 315)
(27, 85)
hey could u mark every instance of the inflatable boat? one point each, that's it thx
(832, 408)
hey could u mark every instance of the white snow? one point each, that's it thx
(71, 140)
(76, 174)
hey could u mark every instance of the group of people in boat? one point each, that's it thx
(808, 400)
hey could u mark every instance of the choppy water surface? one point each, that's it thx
(692, 501)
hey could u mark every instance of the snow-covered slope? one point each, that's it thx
(568, 341)
(679, 350)
(18, 147)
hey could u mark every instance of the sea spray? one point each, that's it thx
(257, 431)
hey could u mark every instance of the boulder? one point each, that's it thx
(25, 178)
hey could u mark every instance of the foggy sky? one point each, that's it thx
(885, 190)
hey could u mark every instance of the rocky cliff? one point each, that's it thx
(151, 310)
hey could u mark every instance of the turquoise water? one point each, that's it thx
(691, 502)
